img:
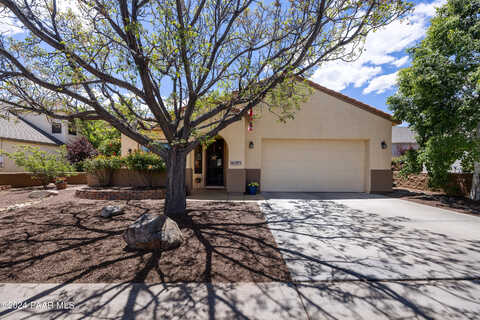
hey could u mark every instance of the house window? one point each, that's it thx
(1, 161)
(198, 159)
(56, 127)
(72, 128)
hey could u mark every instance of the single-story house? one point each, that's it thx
(403, 138)
(334, 144)
(16, 131)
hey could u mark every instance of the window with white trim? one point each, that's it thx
(56, 127)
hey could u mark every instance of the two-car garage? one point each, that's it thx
(313, 165)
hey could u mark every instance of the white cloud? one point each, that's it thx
(338, 76)
(379, 49)
(381, 84)
(9, 26)
(400, 62)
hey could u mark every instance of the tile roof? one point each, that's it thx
(16, 128)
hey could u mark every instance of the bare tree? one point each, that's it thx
(189, 67)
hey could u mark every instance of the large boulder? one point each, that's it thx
(110, 211)
(39, 194)
(153, 232)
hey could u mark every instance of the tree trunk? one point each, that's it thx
(176, 198)
(475, 192)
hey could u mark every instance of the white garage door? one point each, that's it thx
(313, 165)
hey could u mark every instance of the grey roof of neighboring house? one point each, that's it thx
(17, 128)
(403, 135)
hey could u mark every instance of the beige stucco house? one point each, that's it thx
(334, 144)
(16, 131)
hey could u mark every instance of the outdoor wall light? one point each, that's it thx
(250, 145)
(384, 145)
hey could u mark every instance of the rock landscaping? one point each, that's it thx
(153, 233)
(39, 194)
(65, 239)
(110, 211)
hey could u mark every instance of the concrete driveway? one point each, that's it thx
(369, 255)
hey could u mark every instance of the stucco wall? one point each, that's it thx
(321, 117)
(325, 117)
(9, 146)
(127, 145)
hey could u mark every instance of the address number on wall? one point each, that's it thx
(235, 163)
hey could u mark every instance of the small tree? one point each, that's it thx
(439, 95)
(104, 138)
(80, 150)
(45, 166)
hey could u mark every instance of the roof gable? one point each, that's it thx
(352, 101)
(17, 128)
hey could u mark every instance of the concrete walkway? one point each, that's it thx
(306, 300)
(223, 195)
(352, 256)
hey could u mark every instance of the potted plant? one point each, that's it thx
(252, 188)
(61, 183)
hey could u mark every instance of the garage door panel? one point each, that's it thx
(313, 165)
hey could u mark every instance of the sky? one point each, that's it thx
(372, 78)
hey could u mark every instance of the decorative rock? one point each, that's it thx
(110, 211)
(38, 194)
(153, 233)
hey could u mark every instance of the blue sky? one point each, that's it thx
(371, 78)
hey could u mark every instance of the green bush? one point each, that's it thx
(410, 163)
(142, 161)
(45, 166)
(397, 163)
(147, 164)
(102, 167)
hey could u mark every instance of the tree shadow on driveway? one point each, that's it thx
(348, 263)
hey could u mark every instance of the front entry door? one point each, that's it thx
(215, 161)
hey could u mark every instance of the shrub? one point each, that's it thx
(143, 161)
(397, 163)
(110, 148)
(79, 151)
(45, 166)
(103, 137)
(410, 163)
(102, 167)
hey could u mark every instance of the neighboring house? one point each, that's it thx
(63, 130)
(18, 131)
(334, 144)
(403, 138)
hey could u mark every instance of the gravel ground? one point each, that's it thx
(64, 239)
(438, 199)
